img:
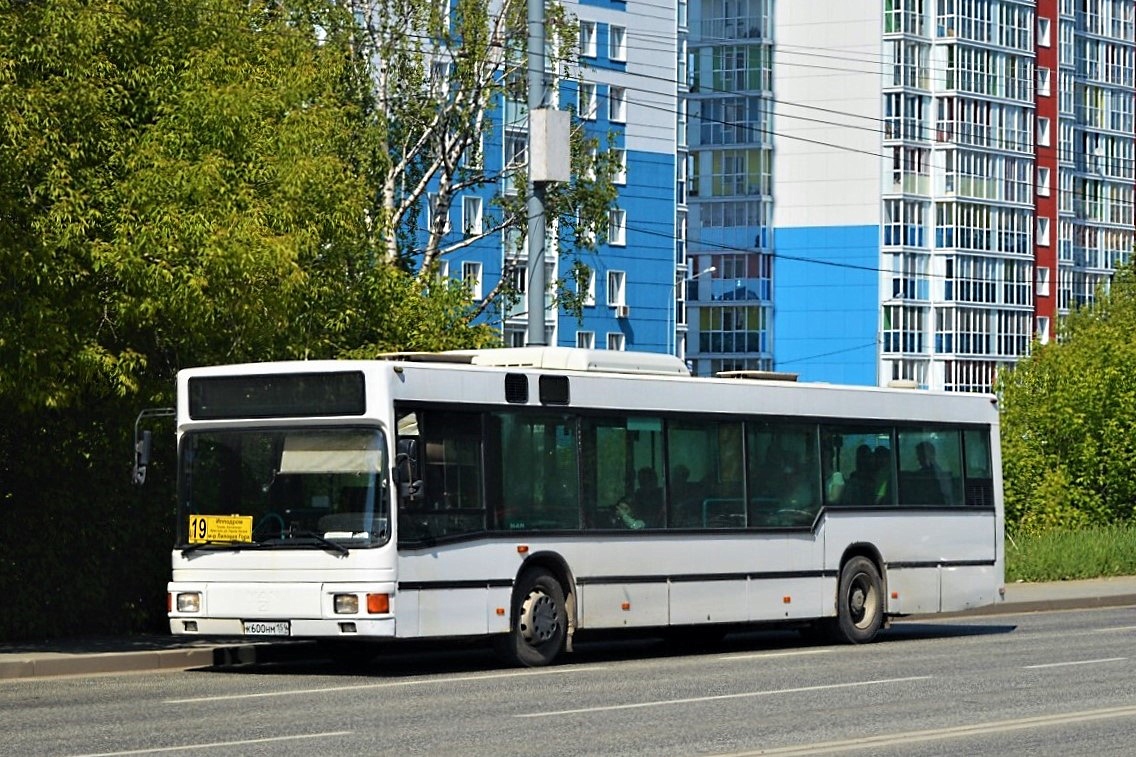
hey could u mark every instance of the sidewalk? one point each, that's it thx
(82, 656)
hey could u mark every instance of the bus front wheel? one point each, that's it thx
(859, 601)
(540, 620)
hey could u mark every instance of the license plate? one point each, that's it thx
(267, 628)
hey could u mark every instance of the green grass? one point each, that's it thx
(1068, 555)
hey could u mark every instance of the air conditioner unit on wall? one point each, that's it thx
(622, 311)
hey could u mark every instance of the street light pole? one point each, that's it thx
(673, 331)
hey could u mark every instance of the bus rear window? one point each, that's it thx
(281, 395)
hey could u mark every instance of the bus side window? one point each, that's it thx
(979, 491)
(444, 487)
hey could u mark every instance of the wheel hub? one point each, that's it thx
(538, 618)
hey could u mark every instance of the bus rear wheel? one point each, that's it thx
(859, 601)
(540, 621)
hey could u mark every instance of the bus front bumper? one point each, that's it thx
(268, 630)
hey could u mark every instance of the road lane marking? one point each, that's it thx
(719, 697)
(384, 685)
(217, 744)
(938, 734)
(768, 655)
(1074, 662)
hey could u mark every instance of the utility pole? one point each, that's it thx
(549, 161)
(537, 282)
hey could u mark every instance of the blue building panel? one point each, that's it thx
(646, 260)
(647, 255)
(615, 5)
(825, 321)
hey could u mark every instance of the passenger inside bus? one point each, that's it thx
(927, 483)
(860, 488)
(881, 461)
(686, 500)
(644, 507)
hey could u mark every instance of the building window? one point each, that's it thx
(617, 227)
(1042, 231)
(589, 289)
(620, 176)
(616, 288)
(1043, 132)
(1044, 30)
(1044, 77)
(471, 274)
(587, 103)
(432, 216)
(588, 39)
(1043, 329)
(617, 105)
(471, 216)
(1042, 282)
(617, 43)
(1043, 180)
(586, 340)
(616, 341)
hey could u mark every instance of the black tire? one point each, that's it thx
(859, 602)
(540, 621)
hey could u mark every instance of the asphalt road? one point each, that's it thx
(1055, 683)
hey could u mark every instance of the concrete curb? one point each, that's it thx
(24, 665)
(64, 664)
(1047, 605)
(32, 665)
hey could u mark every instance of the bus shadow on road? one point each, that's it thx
(910, 631)
(422, 658)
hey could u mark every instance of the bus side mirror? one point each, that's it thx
(141, 457)
(406, 469)
(142, 441)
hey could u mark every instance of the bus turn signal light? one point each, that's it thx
(378, 604)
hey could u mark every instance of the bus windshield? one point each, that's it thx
(284, 488)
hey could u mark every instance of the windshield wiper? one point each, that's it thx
(303, 533)
(229, 543)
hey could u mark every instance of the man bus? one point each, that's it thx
(494, 493)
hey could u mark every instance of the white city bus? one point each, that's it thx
(532, 493)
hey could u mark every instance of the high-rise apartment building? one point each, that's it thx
(949, 177)
(857, 191)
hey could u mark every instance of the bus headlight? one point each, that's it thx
(346, 604)
(189, 601)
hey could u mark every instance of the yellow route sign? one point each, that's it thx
(205, 528)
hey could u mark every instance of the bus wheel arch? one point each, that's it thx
(861, 595)
(542, 612)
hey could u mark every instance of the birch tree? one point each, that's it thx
(439, 70)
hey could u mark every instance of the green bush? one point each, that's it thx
(1061, 555)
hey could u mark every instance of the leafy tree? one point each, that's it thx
(438, 71)
(1069, 419)
(181, 182)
